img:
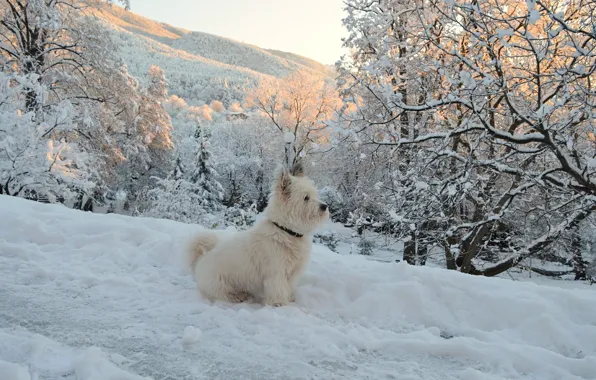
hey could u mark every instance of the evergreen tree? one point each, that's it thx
(204, 175)
(178, 170)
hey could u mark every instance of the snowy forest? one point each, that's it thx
(464, 130)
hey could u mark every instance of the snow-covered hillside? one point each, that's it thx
(199, 66)
(88, 296)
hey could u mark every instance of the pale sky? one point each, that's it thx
(311, 28)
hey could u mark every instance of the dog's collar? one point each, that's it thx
(295, 234)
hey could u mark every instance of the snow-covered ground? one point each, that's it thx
(87, 296)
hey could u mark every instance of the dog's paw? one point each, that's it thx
(275, 303)
(238, 297)
(292, 297)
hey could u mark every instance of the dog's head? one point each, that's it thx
(294, 201)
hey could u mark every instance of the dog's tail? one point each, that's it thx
(201, 244)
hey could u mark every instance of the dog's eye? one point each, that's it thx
(306, 198)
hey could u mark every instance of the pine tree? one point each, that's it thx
(204, 175)
(178, 170)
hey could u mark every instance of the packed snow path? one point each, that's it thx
(86, 296)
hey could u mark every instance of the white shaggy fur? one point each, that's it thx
(263, 262)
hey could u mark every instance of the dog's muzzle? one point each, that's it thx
(323, 207)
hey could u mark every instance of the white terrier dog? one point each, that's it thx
(265, 261)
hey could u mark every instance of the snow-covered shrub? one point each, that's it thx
(365, 246)
(175, 199)
(240, 218)
(120, 201)
(328, 239)
(359, 221)
(117, 202)
(591, 272)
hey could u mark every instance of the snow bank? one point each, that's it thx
(86, 296)
(11, 371)
(49, 358)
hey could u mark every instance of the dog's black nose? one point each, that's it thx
(323, 207)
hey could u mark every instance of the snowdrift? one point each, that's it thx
(86, 296)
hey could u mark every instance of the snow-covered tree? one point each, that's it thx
(217, 106)
(36, 159)
(149, 142)
(301, 104)
(191, 192)
(235, 107)
(246, 154)
(203, 175)
(486, 110)
(80, 100)
(55, 61)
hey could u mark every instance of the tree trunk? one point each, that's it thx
(410, 249)
(262, 197)
(34, 62)
(579, 265)
(88, 206)
(449, 257)
(422, 241)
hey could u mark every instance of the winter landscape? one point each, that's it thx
(453, 143)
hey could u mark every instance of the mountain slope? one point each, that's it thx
(87, 296)
(195, 60)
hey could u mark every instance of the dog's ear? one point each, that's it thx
(283, 182)
(298, 168)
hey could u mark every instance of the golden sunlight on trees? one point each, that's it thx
(300, 103)
(154, 123)
(217, 106)
(491, 107)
